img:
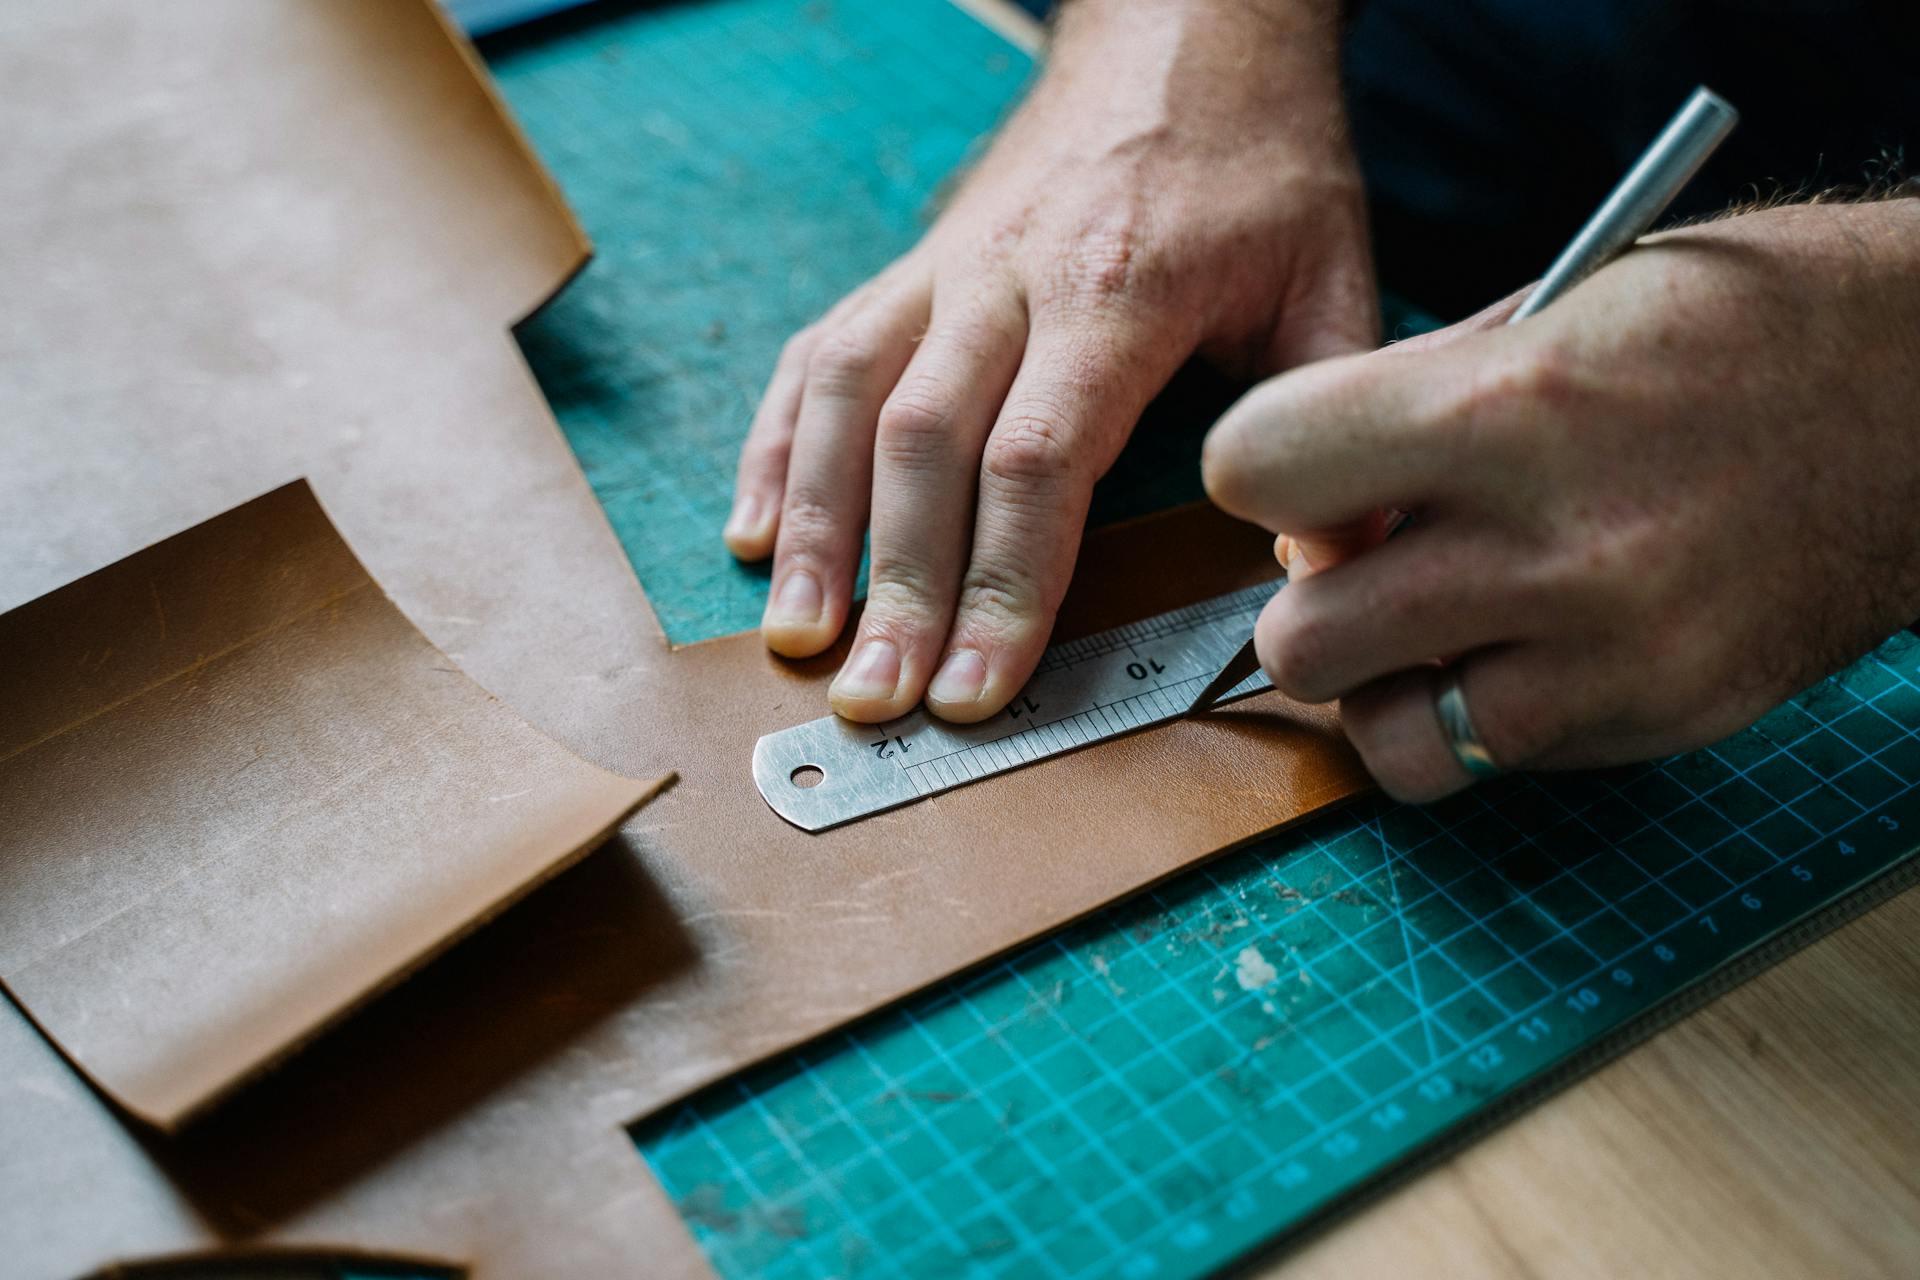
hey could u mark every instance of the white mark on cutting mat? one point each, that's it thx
(1252, 971)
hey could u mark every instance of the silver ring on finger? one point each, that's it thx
(1456, 723)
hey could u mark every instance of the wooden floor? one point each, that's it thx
(1775, 1132)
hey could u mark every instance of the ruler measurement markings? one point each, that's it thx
(1078, 732)
(1083, 691)
(1133, 711)
(1119, 709)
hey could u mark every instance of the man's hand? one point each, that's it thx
(1179, 182)
(1679, 495)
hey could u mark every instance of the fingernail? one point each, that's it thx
(960, 678)
(797, 603)
(872, 672)
(745, 518)
(1297, 562)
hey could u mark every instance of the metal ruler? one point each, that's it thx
(829, 771)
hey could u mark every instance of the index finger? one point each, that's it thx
(1328, 444)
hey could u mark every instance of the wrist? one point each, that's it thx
(1234, 69)
(1276, 19)
(1246, 35)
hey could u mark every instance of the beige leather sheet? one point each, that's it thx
(261, 239)
(243, 795)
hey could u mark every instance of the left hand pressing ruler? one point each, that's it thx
(831, 771)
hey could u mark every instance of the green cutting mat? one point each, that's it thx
(1208, 1067)
(1200, 1071)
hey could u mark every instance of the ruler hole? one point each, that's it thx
(807, 776)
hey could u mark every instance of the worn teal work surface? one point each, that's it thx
(739, 165)
(1177, 1079)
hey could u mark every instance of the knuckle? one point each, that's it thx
(1492, 394)
(899, 598)
(1031, 449)
(841, 359)
(998, 601)
(767, 454)
(916, 425)
(1516, 389)
(1407, 603)
(807, 524)
(1103, 267)
(1608, 564)
(1605, 573)
(1552, 377)
(999, 237)
(793, 352)
(1111, 259)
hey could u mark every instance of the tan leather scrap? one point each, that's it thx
(244, 795)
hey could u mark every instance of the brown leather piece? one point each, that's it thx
(244, 795)
(290, 236)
